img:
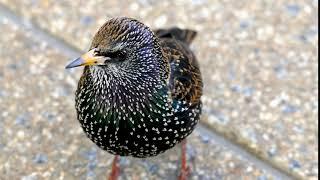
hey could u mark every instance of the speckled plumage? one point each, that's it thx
(147, 99)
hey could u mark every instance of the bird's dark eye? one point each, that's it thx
(116, 56)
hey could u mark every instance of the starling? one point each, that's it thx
(139, 94)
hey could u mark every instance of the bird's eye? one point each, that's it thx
(116, 56)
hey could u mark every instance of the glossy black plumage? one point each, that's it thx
(146, 97)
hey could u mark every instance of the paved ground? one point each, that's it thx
(259, 63)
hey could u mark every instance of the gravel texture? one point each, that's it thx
(259, 61)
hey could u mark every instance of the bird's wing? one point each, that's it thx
(184, 35)
(185, 78)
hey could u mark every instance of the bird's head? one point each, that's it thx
(123, 47)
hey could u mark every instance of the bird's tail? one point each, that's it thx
(184, 35)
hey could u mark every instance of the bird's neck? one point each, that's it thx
(113, 92)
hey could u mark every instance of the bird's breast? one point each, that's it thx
(139, 128)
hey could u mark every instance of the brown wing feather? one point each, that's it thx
(184, 35)
(185, 77)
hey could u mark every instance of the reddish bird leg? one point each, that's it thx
(185, 170)
(115, 172)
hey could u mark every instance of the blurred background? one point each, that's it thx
(259, 61)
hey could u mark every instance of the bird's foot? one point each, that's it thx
(184, 174)
(115, 172)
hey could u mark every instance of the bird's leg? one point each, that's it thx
(115, 172)
(185, 170)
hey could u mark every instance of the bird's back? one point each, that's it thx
(185, 77)
(184, 35)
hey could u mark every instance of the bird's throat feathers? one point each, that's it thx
(121, 94)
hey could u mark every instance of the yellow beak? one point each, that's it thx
(88, 59)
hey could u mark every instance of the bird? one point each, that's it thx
(140, 91)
